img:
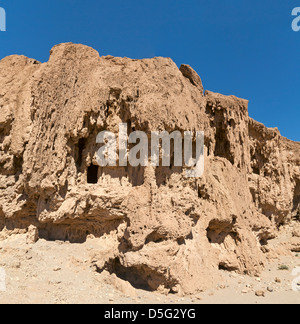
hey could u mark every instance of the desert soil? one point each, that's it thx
(61, 273)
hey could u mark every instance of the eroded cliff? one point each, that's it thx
(156, 228)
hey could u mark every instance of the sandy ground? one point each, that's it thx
(60, 273)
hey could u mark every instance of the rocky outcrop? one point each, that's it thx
(156, 228)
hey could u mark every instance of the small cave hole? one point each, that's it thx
(181, 241)
(256, 170)
(224, 267)
(92, 174)
(138, 278)
(81, 146)
(223, 147)
(263, 242)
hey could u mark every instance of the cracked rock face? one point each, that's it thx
(156, 228)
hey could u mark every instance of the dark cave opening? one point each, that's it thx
(80, 146)
(92, 174)
(224, 267)
(218, 230)
(222, 148)
(140, 277)
(136, 277)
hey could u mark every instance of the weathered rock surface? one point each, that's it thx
(156, 228)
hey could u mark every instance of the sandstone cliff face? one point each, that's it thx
(156, 228)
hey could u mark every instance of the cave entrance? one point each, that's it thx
(222, 148)
(92, 174)
(218, 230)
(80, 148)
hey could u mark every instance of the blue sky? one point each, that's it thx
(241, 47)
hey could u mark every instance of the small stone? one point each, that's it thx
(32, 235)
(260, 293)
(277, 280)
(245, 291)
(270, 289)
(56, 269)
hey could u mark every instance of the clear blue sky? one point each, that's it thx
(241, 47)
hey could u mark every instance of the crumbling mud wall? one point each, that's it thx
(156, 228)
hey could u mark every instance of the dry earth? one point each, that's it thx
(61, 273)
